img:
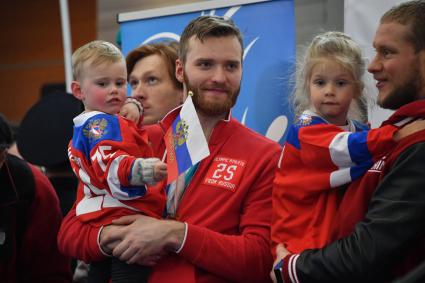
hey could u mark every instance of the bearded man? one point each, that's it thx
(381, 217)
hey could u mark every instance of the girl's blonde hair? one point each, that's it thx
(345, 51)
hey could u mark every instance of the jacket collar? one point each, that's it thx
(410, 111)
(217, 135)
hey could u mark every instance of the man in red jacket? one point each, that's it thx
(29, 221)
(380, 221)
(220, 229)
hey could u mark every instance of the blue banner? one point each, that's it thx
(269, 42)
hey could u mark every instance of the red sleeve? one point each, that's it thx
(380, 140)
(39, 255)
(245, 257)
(79, 240)
(329, 142)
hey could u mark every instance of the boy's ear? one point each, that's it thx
(179, 71)
(76, 90)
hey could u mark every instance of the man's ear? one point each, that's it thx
(76, 90)
(179, 71)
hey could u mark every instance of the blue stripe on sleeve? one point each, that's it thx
(357, 146)
(134, 191)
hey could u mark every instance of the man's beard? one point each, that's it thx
(212, 108)
(404, 94)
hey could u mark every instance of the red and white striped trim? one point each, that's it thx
(292, 268)
(289, 271)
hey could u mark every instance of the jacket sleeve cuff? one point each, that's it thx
(289, 270)
(192, 245)
(184, 238)
(100, 246)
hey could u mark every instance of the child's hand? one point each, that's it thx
(159, 171)
(147, 171)
(131, 112)
(281, 253)
(411, 128)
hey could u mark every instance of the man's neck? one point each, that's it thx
(208, 123)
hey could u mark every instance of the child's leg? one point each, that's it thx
(122, 272)
(100, 272)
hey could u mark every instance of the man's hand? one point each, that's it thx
(107, 243)
(281, 252)
(143, 239)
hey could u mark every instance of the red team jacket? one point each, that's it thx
(317, 159)
(227, 207)
(102, 151)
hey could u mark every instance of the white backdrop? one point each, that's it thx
(361, 19)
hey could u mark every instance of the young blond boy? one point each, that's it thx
(110, 154)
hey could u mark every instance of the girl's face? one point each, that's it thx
(332, 88)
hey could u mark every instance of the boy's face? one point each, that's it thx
(103, 87)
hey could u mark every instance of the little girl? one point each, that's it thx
(324, 149)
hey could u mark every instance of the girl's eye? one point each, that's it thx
(319, 82)
(341, 83)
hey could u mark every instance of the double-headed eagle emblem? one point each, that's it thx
(95, 129)
(181, 133)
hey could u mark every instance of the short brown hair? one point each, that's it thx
(410, 13)
(206, 26)
(166, 50)
(94, 53)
